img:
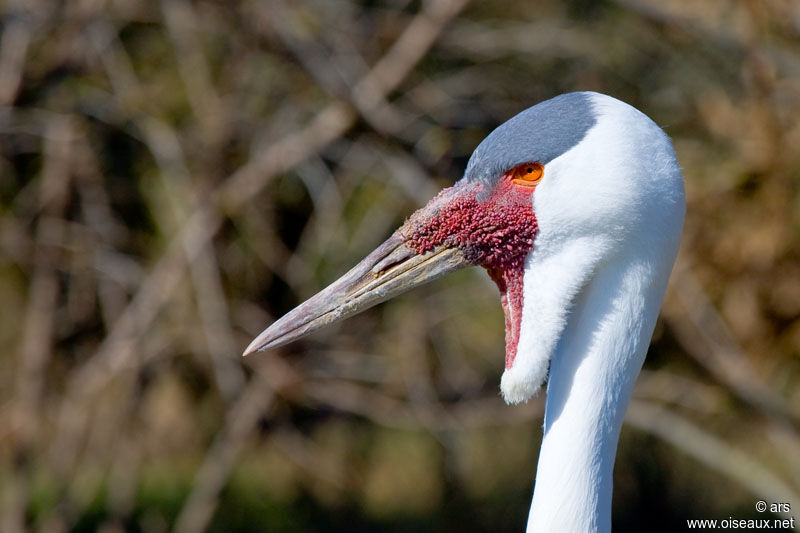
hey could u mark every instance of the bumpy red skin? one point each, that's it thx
(496, 233)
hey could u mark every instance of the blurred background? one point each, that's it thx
(176, 174)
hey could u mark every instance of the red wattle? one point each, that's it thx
(496, 233)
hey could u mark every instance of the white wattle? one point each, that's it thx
(550, 283)
(610, 213)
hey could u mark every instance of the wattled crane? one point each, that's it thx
(575, 208)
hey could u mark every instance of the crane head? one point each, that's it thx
(546, 198)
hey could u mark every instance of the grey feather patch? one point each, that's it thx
(540, 133)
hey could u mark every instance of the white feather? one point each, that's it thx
(610, 214)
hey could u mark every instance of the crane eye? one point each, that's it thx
(529, 174)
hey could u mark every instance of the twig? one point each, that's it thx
(386, 411)
(206, 280)
(182, 27)
(13, 50)
(40, 316)
(333, 121)
(200, 506)
(242, 418)
(705, 337)
(203, 224)
(709, 450)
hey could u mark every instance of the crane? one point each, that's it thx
(575, 208)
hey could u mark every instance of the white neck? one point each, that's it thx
(592, 374)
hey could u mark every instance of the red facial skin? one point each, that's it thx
(496, 233)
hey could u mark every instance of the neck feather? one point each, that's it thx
(592, 374)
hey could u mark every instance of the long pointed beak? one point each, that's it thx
(392, 268)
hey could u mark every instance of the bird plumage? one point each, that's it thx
(581, 257)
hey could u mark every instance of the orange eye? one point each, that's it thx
(529, 174)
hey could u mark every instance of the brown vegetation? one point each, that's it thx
(174, 174)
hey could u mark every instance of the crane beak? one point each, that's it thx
(391, 269)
